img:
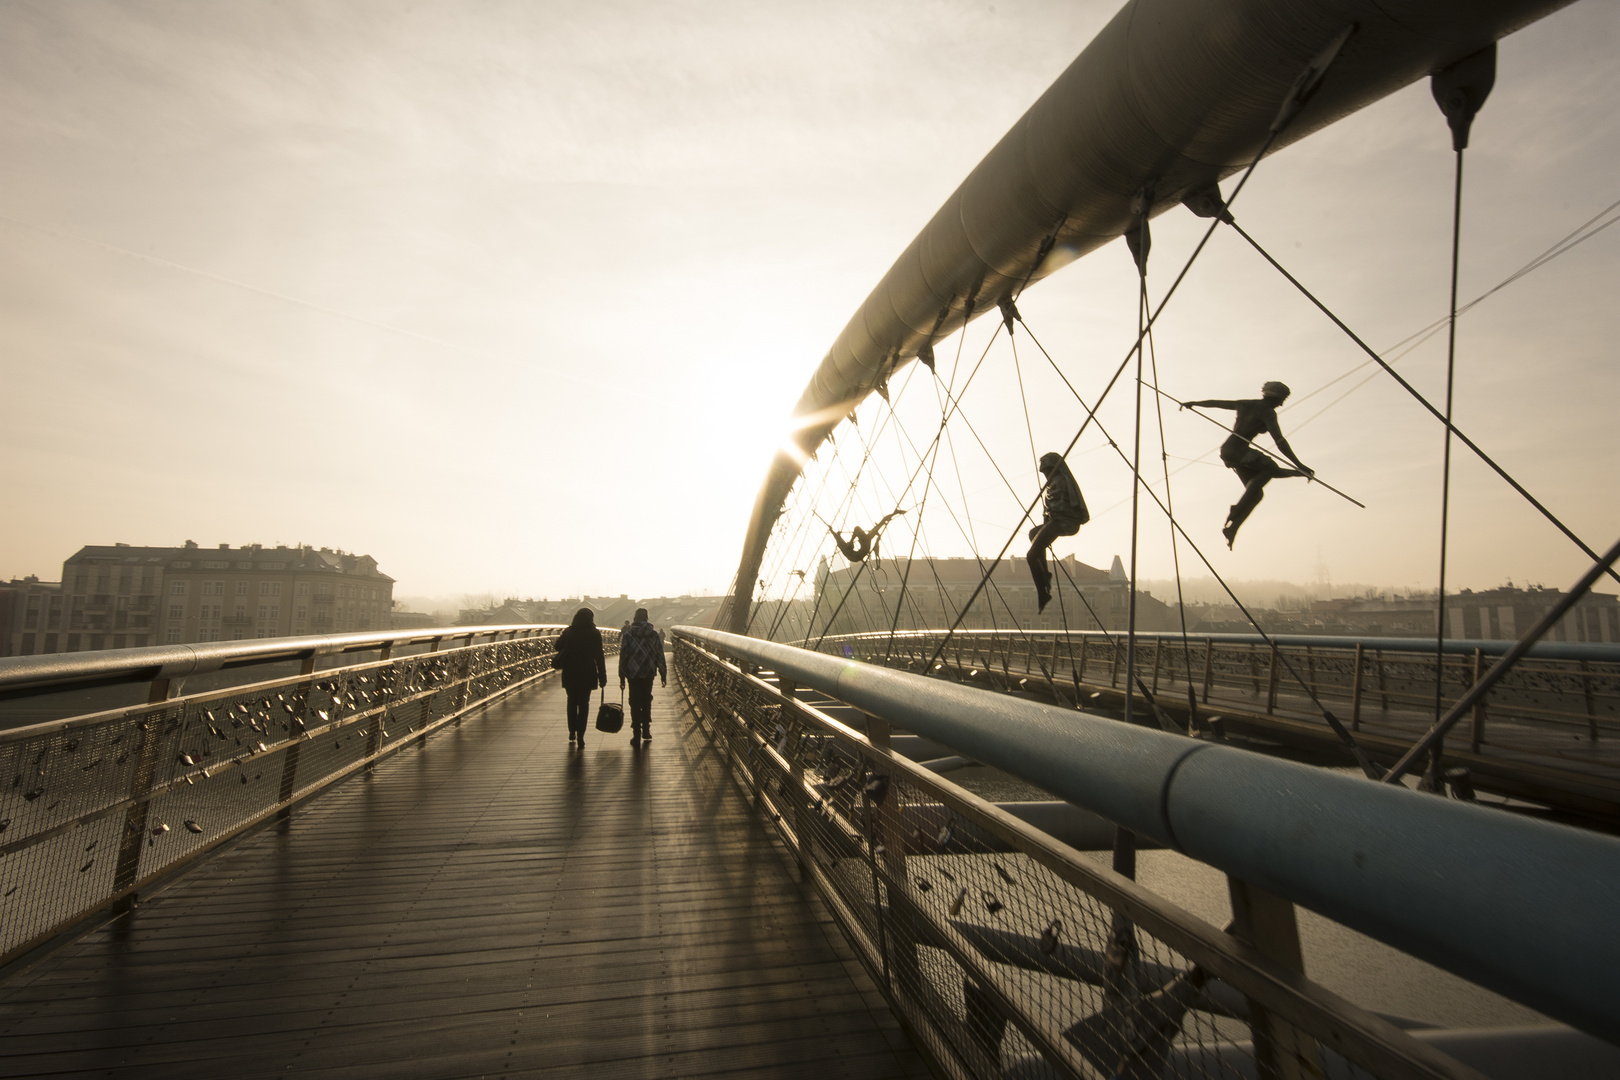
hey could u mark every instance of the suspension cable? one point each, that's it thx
(1175, 546)
(1120, 370)
(943, 431)
(1139, 250)
(1445, 471)
(1412, 390)
(1406, 345)
(1366, 763)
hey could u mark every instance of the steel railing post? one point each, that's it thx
(289, 760)
(1269, 923)
(1477, 735)
(1355, 691)
(1591, 702)
(1209, 667)
(1271, 682)
(126, 871)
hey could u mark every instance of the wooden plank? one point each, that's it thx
(491, 902)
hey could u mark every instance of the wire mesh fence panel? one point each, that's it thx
(93, 808)
(1005, 953)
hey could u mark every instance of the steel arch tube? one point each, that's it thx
(1171, 95)
(1517, 905)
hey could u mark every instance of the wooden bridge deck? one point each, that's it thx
(491, 904)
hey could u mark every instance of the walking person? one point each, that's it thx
(641, 656)
(584, 670)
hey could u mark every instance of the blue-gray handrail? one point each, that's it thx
(1520, 906)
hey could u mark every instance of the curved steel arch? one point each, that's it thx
(1172, 95)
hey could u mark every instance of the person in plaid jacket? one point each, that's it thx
(641, 656)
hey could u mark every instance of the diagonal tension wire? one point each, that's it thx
(1339, 729)
(1567, 243)
(1477, 692)
(1120, 370)
(1412, 390)
(955, 405)
(1250, 443)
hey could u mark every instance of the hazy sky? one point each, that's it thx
(517, 296)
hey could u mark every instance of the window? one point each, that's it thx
(275, 612)
(177, 588)
(263, 611)
(323, 589)
(174, 635)
(241, 612)
(264, 588)
(303, 588)
(300, 613)
(238, 636)
(275, 588)
(177, 611)
(241, 588)
(206, 588)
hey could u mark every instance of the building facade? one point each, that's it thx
(863, 597)
(119, 596)
(30, 615)
(1500, 614)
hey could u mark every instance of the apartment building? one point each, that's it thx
(121, 596)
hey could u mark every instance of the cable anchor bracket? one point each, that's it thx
(1461, 89)
(1310, 80)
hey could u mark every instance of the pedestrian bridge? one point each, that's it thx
(376, 855)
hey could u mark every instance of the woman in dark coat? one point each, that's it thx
(584, 670)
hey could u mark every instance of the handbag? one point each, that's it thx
(609, 715)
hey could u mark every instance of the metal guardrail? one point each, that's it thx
(959, 936)
(26, 676)
(95, 808)
(1562, 701)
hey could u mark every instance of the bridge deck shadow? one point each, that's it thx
(492, 903)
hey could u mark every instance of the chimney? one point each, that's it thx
(222, 547)
(190, 544)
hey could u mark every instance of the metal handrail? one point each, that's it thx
(24, 676)
(1590, 651)
(104, 804)
(1517, 742)
(888, 851)
(1517, 905)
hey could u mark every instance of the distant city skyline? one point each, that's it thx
(372, 271)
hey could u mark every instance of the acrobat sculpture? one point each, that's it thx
(1254, 466)
(862, 542)
(1065, 512)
